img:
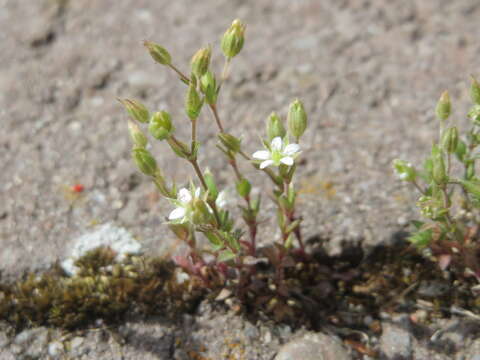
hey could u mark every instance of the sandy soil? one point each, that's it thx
(369, 73)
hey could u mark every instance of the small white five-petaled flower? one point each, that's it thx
(280, 152)
(184, 203)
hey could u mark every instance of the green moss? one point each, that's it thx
(108, 290)
(102, 289)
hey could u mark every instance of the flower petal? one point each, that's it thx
(261, 155)
(291, 149)
(184, 196)
(197, 192)
(287, 160)
(266, 163)
(277, 143)
(177, 214)
(221, 200)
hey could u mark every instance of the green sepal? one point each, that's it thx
(231, 142)
(461, 150)
(211, 185)
(193, 102)
(179, 148)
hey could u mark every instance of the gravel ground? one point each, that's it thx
(369, 73)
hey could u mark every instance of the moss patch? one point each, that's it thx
(315, 290)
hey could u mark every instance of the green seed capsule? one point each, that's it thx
(450, 140)
(160, 125)
(201, 61)
(443, 108)
(145, 161)
(275, 127)
(136, 110)
(158, 53)
(233, 39)
(137, 136)
(297, 119)
(193, 103)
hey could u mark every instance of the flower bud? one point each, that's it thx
(138, 138)
(136, 110)
(145, 161)
(275, 127)
(208, 85)
(297, 119)
(232, 41)
(439, 173)
(450, 140)
(193, 103)
(201, 61)
(179, 148)
(404, 170)
(475, 91)
(158, 53)
(244, 187)
(230, 142)
(443, 108)
(160, 125)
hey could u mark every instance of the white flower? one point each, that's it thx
(280, 152)
(222, 199)
(184, 202)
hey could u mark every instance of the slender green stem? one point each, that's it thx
(182, 75)
(252, 225)
(446, 204)
(194, 131)
(217, 118)
(224, 72)
(419, 188)
(199, 174)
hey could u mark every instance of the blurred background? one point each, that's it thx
(369, 73)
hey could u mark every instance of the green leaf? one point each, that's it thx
(244, 187)
(418, 224)
(421, 239)
(225, 255)
(293, 226)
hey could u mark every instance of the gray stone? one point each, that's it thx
(31, 343)
(396, 341)
(313, 346)
(55, 349)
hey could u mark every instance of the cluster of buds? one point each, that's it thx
(203, 209)
(437, 200)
